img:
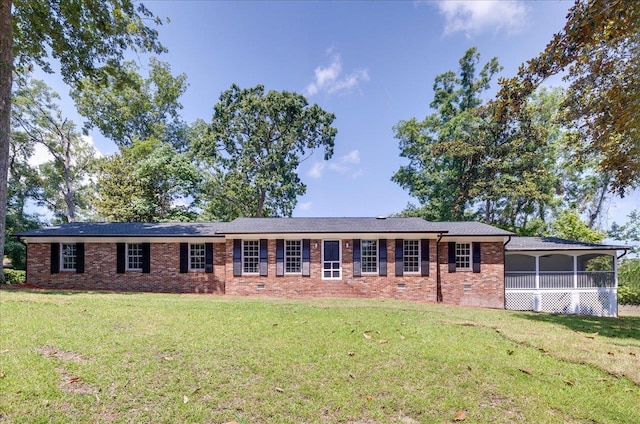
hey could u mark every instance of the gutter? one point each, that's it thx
(438, 279)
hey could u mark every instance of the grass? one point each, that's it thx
(95, 357)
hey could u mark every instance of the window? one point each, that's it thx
(463, 255)
(68, 256)
(250, 256)
(293, 256)
(369, 256)
(134, 256)
(411, 261)
(196, 256)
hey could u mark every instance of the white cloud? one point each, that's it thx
(343, 165)
(331, 80)
(475, 17)
(304, 206)
(316, 170)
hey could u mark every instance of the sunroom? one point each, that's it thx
(554, 275)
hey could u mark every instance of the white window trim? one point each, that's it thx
(62, 268)
(419, 271)
(126, 257)
(339, 260)
(243, 257)
(470, 267)
(204, 257)
(285, 257)
(377, 256)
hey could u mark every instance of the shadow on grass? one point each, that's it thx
(623, 327)
(61, 292)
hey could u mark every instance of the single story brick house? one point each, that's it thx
(460, 263)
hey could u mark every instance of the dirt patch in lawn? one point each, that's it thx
(52, 352)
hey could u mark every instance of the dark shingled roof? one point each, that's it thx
(471, 228)
(109, 229)
(266, 226)
(330, 225)
(554, 243)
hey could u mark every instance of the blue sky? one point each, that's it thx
(370, 63)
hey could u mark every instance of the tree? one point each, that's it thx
(64, 182)
(252, 150)
(145, 182)
(141, 109)
(568, 225)
(444, 149)
(463, 166)
(599, 48)
(87, 38)
(21, 187)
(628, 232)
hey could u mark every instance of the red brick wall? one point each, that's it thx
(416, 287)
(467, 288)
(460, 288)
(100, 271)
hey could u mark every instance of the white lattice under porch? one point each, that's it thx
(597, 302)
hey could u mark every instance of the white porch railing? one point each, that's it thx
(559, 280)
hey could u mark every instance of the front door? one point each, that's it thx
(331, 265)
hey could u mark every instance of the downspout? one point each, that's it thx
(625, 252)
(438, 281)
(504, 271)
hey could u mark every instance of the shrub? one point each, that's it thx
(14, 276)
(629, 295)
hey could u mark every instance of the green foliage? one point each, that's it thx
(629, 232)
(63, 184)
(15, 276)
(146, 182)
(629, 282)
(88, 38)
(463, 166)
(252, 150)
(568, 225)
(598, 49)
(138, 110)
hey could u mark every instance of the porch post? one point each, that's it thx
(575, 272)
(575, 296)
(613, 292)
(537, 297)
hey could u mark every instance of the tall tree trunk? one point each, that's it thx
(6, 76)
(263, 196)
(487, 212)
(69, 195)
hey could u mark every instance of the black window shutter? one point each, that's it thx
(279, 257)
(357, 264)
(146, 258)
(237, 257)
(382, 257)
(452, 256)
(424, 257)
(306, 257)
(55, 258)
(120, 257)
(184, 258)
(399, 257)
(79, 258)
(263, 257)
(208, 258)
(476, 257)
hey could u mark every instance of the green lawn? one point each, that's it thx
(94, 357)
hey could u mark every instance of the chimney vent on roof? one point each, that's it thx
(381, 217)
